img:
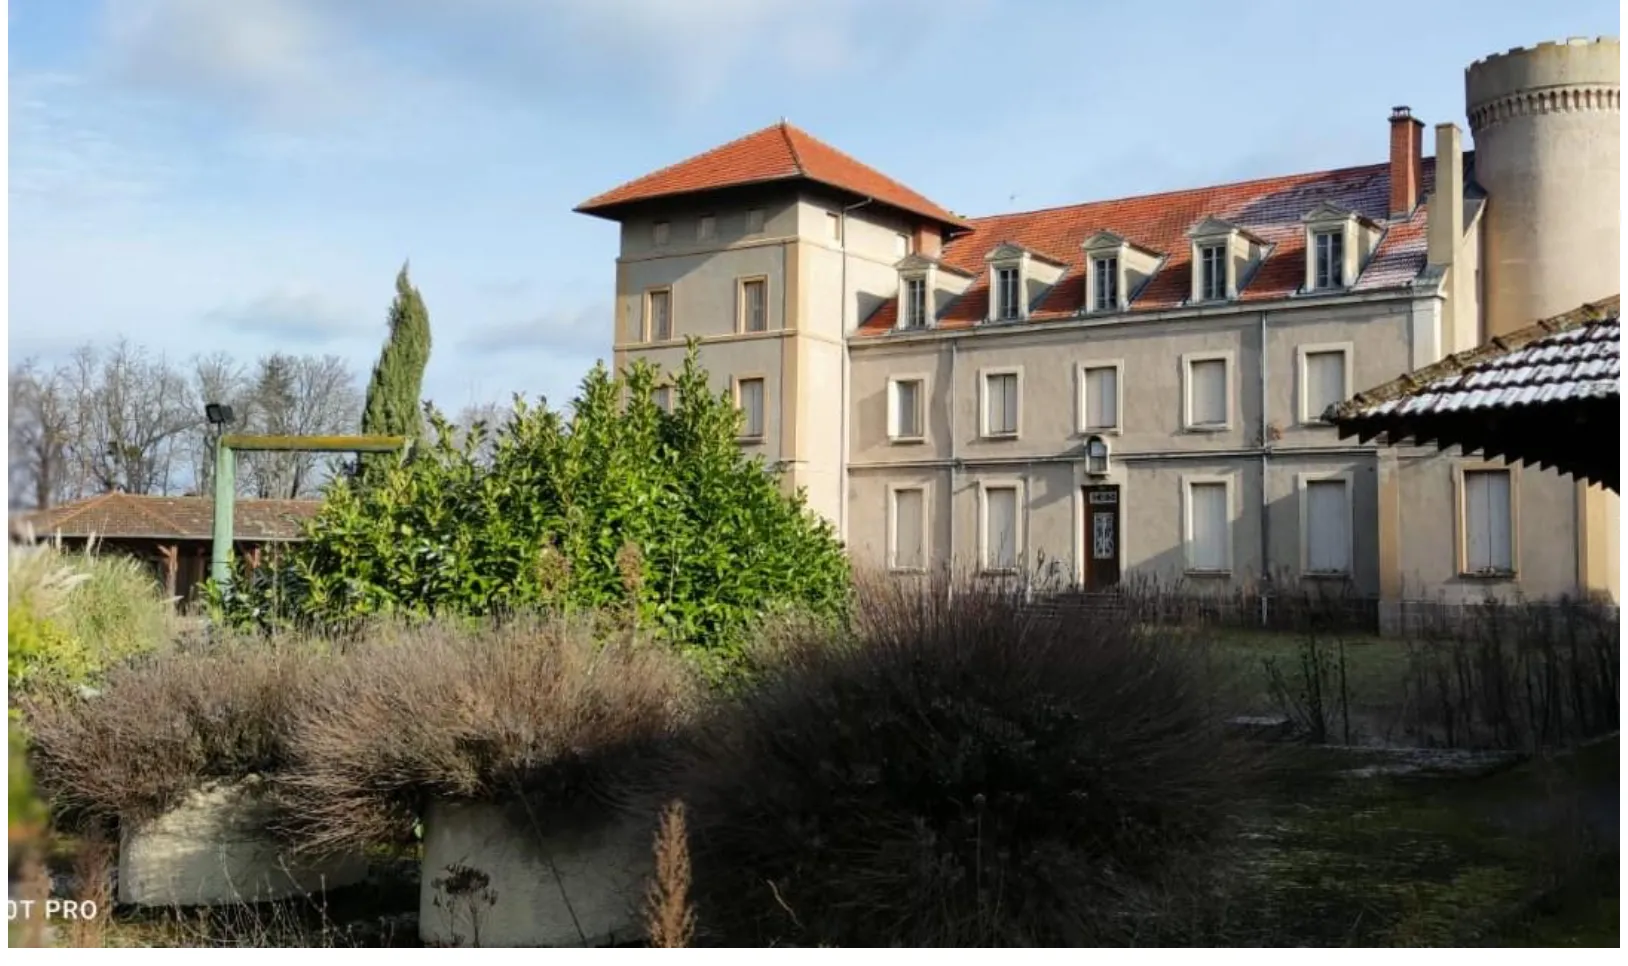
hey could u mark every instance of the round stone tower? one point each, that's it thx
(1546, 123)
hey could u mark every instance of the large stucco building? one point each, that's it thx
(1138, 385)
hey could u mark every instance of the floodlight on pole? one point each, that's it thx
(218, 414)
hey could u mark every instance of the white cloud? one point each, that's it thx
(290, 315)
(291, 60)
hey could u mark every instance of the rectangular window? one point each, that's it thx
(1325, 382)
(754, 220)
(1209, 545)
(1489, 546)
(754, 306)
(915, 308)
(1007, 293)
(659, 315)
(1328, 527)
(1001, 404)
(905, 420)
(1105, 276)
(909, 551)
(1330, 259)
(1001, 528)
(707, 228)
(659, 232)
(1101, 398)
(1207, 394)
(1213, 269)
(664, 398)
(834, 221)
(749, 393)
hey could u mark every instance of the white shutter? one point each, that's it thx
(1208, 527)
(1328, 526)
(1001, 402)
(1208, 393)
(1325, 382)
(909, 551)
(1102, 398)
(1000, 528)
(904, 409)
(1488, 541)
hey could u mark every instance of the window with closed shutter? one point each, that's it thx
(751, 403)
(1001, 404)
(1101, 398)
(1208, 543)
(1001, 528)
(909, 545)
(661, 316)
(1488, 522)
(754, 306)
(1328, 527)
(1207, 393)
(906, 406)
(1325, 382)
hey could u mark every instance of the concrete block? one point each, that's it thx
(213, 849)
(492, 879)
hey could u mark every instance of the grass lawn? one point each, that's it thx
(1526, 855)
(1375, 674)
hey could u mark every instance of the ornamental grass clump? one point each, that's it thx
(172, 723)
(544, 713)
(956, 769)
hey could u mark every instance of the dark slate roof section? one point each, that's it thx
(1570, 356)
(1540, 395)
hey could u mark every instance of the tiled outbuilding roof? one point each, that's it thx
(128, 516)
(1271, 209)
(1546, 394)
(779, 152)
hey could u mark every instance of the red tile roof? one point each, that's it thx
(1271, 208)
(779, 152)
(128, 516)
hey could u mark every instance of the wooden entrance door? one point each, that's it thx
(1101, 537)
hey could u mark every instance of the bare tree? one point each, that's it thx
(489, 415)
(216, 378)
(297, 396)
(121, 419)
(40, 428)
(132, 417)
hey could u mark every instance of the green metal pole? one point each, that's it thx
(220, 550)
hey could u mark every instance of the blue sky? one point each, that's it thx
(245, 175)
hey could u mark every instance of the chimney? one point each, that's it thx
(928, 241)
(1406, 161)
(1447, 200)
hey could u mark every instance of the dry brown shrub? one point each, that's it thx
(543, 711)
(957, 768)
(170, 724)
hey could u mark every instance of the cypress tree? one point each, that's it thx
(394, 392)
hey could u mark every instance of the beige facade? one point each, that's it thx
(983, 427)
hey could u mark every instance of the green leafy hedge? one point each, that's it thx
(620, 507)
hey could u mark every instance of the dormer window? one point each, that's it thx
(1115, 271)
(915, 303)
(1328, 250)
(1224, 257)
(1212, 273)
(1105, 283)
(1008, 293)
(1338, 242)
(1017, 280)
